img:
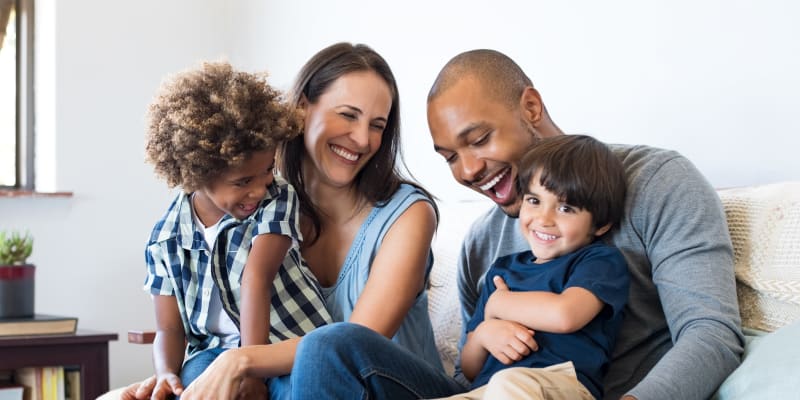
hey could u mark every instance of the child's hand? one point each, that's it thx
(501, 289)
(252, 389)
(166, 385)
(507, 341)
(139, 390)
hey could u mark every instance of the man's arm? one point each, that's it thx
(681, 222)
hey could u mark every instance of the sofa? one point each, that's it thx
(764, 223)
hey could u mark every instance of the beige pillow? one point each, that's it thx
(764, 223)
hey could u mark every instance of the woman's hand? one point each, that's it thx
(221, 380)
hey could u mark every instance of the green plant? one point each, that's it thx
(15, 248)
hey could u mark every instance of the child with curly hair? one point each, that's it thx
(223, 263)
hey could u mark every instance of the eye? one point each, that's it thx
(567, 209)
(348, 116)
(378, 126)
(530, 199)
(451, 158)
(241, 183)
(482, 140)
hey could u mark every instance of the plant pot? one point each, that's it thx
(16, 290)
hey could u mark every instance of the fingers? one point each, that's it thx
(175, 384)
(500, 283)
(143, 389)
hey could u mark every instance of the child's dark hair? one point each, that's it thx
(582, 171)
(210, 119)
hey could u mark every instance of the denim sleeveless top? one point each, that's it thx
(415, 333)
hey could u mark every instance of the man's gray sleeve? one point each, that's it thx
(682, 224)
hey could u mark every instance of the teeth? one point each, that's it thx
(544, 236)
(344, 153)
(491, 183)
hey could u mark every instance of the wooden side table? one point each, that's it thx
(85, 349)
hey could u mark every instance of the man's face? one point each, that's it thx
(482, 141)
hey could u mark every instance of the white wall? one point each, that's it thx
(101, 63)
(715, 80)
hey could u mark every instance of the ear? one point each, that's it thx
(602, 230)
(531, 105)
(303, 103)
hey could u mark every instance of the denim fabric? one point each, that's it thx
(196, 365)
(349, 361)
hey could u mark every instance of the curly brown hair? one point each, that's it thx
(210, 119)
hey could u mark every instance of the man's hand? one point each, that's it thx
(507, 341)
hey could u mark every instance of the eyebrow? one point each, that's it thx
(463, 134)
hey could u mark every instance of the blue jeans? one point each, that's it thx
(349, 361)
(278, 387)
(197, 364)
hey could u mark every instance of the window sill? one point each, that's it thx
(13, 193)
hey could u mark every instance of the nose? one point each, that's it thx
(543, 216)
(360, 135)
(258, 191)
(471, 168)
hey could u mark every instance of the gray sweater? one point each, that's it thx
(681, 335)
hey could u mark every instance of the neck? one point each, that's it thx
(337, 204)
(206, 211)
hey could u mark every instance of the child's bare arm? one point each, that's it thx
(265, 258)
(507, 341)
(566, 312)
(168, 347)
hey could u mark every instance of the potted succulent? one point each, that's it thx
(16, 275)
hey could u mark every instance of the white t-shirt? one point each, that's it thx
(218, 320)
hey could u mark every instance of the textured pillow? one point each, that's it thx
(769, 370)
(764, 223)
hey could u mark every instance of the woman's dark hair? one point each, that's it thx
(380, 177)
(581, 171)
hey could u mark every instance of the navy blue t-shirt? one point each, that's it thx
(598, 268)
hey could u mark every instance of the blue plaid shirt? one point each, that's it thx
(180, 264)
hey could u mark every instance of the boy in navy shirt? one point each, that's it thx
(569, 290)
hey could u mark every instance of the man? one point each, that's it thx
(681, 334)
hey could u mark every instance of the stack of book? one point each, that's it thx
(39, 383)
(39, 324)
(49, 383)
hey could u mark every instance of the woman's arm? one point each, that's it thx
(397, 272)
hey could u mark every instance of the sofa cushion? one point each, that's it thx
(768, 365)
(764, 223)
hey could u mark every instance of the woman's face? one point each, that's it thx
(344, 127)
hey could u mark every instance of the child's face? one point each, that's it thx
(552, 227)
(344, 127)
(238, 191)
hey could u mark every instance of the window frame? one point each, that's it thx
(24, 132)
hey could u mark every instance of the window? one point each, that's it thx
(16, 95)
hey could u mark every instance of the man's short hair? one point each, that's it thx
(502, 79)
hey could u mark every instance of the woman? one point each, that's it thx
(367, 232)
